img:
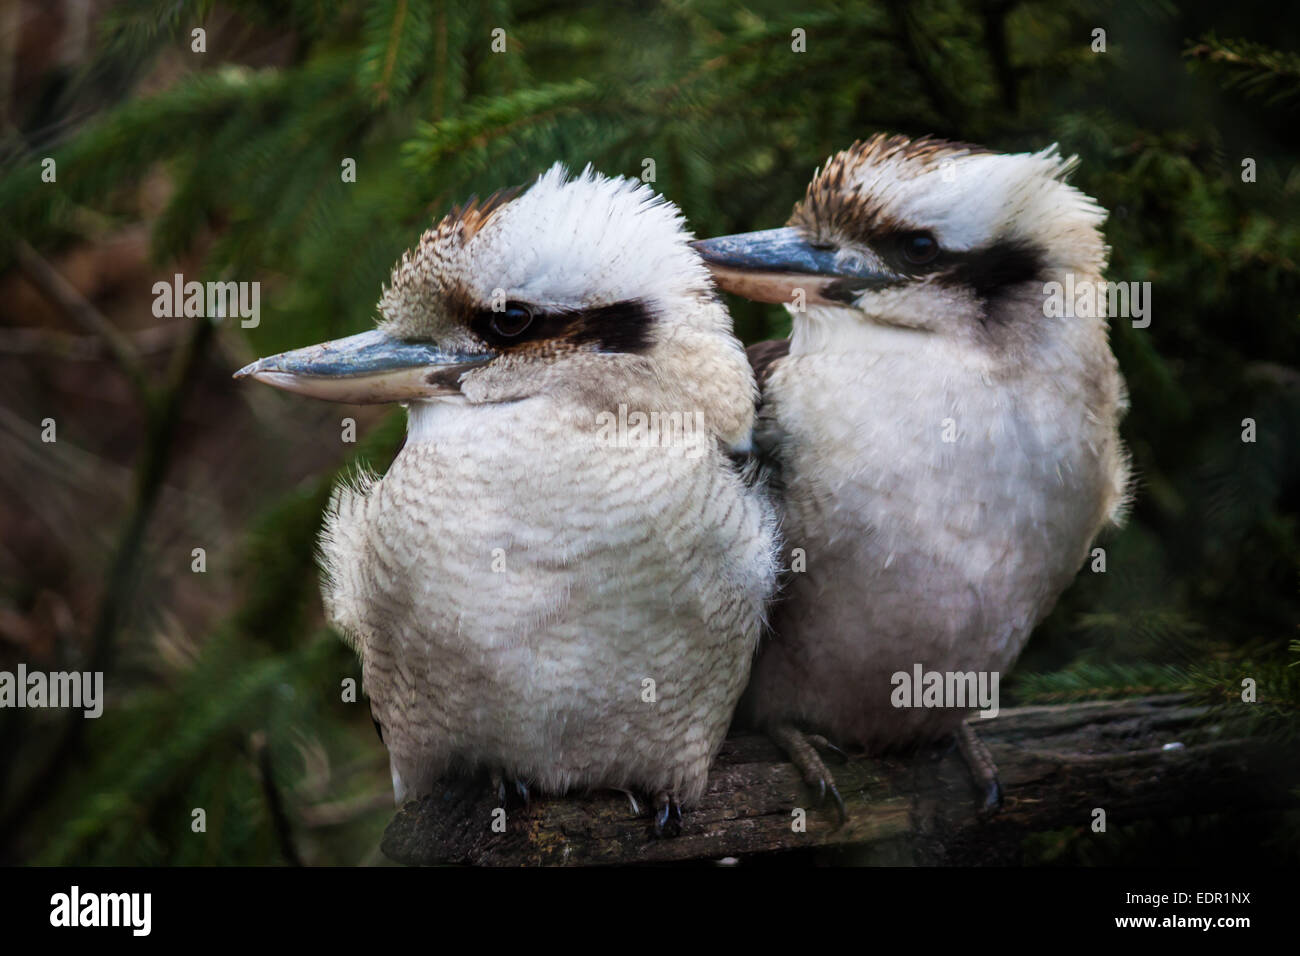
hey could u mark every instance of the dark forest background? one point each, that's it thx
(224, 687)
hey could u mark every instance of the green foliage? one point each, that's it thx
(1200, 589)
(1254, 68)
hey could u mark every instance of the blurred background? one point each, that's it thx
(221, 155)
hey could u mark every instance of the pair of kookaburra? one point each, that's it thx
(545, 590)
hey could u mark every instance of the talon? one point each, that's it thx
(661, 820)
(992, 797)
(821, 743)
(983, 771)
(521, 788)
(839, 805)
(666, 809)
(800, 748)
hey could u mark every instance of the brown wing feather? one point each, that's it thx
(763, 357)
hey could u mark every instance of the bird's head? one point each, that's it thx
(576, 284)
(923, 235)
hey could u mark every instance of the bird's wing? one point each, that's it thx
(764, 359)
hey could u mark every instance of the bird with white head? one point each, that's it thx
(531, 595)
(946, 453)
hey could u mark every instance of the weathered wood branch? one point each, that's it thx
(1056, 765)
(65, 295)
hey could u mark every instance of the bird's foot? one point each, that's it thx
(503, 787)
(983, 771)
(667, 815)
(802, 750)
(631, 799)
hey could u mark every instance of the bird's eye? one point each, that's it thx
(513, 321)
(919, 248)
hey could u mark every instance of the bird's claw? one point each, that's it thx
(992, 797)
(825, 786)
(839, 803)
(667, 815)
(520, 789)
(802, 749)
(821, 743)
(983, 771)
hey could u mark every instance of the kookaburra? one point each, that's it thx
(562, 578)
(945, 452)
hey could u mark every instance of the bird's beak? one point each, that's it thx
(768, 266)
(367, 369)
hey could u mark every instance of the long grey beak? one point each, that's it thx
(367, 369)
(769, 265)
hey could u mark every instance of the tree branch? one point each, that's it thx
(161, 419)
(60, 291)
(909, 38)
(1056, 765)
(994, 15)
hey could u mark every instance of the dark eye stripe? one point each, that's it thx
(618, 327)
(995, 269)
(891, 245)
(987, 271)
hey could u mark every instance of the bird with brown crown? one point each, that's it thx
(945, 451)
(542, 589)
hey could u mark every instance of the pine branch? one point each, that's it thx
(495, 117)
(1252, 68)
